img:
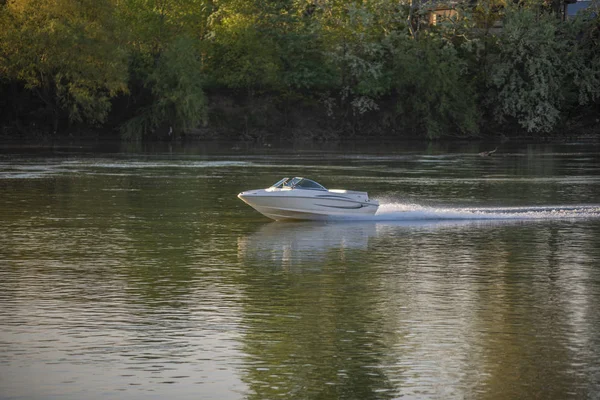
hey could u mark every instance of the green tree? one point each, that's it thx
(243, 52)
(178, 101)
(150, 26)
(528, 73)
(66, 53)
(164, 40)
(583, 57)
(354, 34)
(435, 95)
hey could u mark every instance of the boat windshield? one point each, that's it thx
(303, 183)
(300, 183)
(280, 184)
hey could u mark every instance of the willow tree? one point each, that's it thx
(435, 97)
(66, 54)
(354, 59)
(164, 42)
(354, 48)
(242, 48)
(528, 72)
(584, 58)
(178, 102)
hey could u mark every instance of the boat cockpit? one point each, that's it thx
(298, 183)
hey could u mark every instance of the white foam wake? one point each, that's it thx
(415, 212)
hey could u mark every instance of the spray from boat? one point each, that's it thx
(415, 212)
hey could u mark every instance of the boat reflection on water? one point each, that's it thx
(303, 242)
(286, 244)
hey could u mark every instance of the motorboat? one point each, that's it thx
(304, 199)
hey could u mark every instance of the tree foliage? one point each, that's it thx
(529, 70)
(543, 68)
(65, 52)
(178, 101)
(584, 59)
(434, 94)
(242, 55)
(351, 66)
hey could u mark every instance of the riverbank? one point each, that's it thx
(303, 131)
(202, 146)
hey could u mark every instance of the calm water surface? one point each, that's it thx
(140, 275)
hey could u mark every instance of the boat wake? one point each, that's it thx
(415, 212)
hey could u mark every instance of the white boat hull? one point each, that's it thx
(316, 206)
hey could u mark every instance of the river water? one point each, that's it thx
(138, 274)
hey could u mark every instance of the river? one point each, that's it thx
(137, 274)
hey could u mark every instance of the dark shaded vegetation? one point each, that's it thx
(302, 69)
